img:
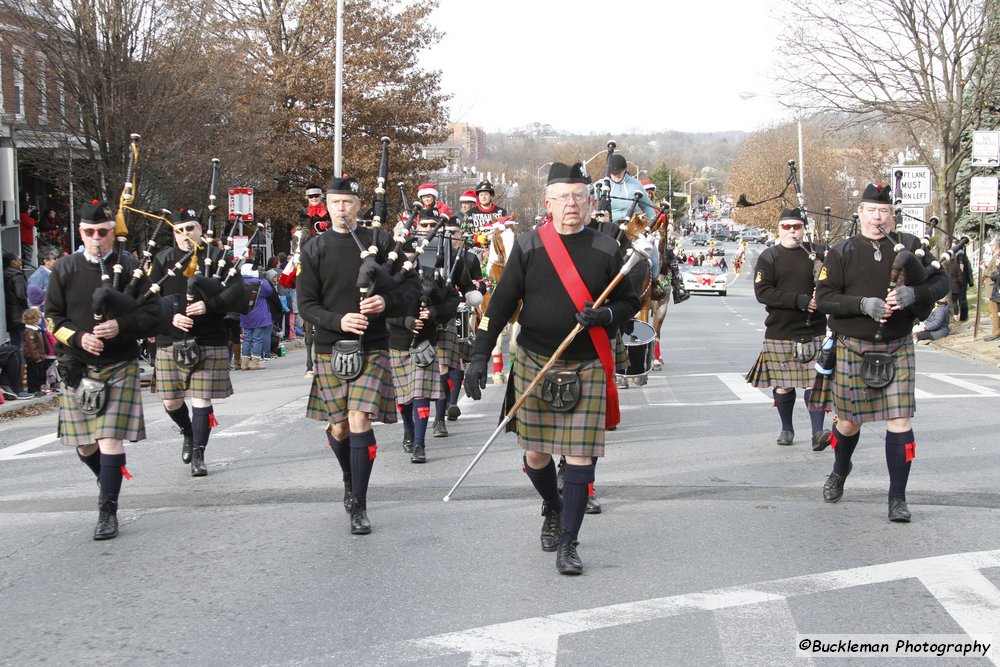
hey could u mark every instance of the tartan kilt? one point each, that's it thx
(330, 398)
(448, 348)
(576, 433)
(411, 381)
(122, 416)
(775, 366)
(857, 402)
(210, 379)
(620, 350)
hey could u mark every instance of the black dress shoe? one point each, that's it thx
(567, 560)
(348, 494)
(898, 511)
(418, 455)
(107, 520)
(198, 468)
(407, 441)
(593, 507)
(821, 440)
(833, 489)
(454, 412)
(186, 447)
(551, 527)
(359, 521)
(786, 437)
(438, 429)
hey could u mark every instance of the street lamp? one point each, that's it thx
(747, 95)
(538, 172)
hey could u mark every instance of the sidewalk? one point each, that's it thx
(960, 342)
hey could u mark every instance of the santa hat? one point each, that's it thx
(468, 196)
(427, 189)
(648, 185)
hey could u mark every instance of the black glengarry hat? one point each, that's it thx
(343, 186)
(877, 193)
(95, 212)
(560, 172)
(184, 214)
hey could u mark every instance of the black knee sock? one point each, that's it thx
(843, 450)
(816, 417)
(441, 404)
(363, 451)
(422, 408)
(181, 418)
(199, 425)
(111, 476)
(457, 376)
(544, 481)
(93, 461)
(342, 450)
(899, 452)
(406, 412)
(785, 404)
(576, 482)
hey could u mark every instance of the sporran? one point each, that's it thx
(561, 390)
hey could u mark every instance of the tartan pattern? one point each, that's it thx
(775, 366)
(857, 402)
(122, 418)
(330, 397)
(620, 352)
(411, 381)
(576, 433)
(209, 380)
(450, 353)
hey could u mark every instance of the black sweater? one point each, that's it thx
(548, 314)
(783, 282)
(70, 314)
(210, 328)
(851, 273)
(327, 287)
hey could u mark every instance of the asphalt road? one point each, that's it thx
(715, 546)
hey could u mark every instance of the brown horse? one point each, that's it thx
(657, 307)
(501, 240)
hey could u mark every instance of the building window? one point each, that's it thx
(19, 86)
(43, 93)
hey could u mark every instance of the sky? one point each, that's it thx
(596, 67)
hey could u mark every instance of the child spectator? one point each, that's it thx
(35, 351)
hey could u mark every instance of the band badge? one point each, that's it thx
(822, 274)
(759, 277)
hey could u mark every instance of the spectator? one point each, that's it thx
(10, 373)
(29, 218)
(936, 324)
(959, 280)
(15, 288)
(34, 351)
(39, 280)
(257, 325)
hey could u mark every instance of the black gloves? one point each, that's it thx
(589, 317)
(475, 377)
(802, 302)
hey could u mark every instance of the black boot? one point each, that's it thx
(359, 520)
(198, 468)
(833, 488)
(348, 495)
(407, 441)
(419, 454)
(551, 527)
(107, 519)
(567, 560)
(187, 447)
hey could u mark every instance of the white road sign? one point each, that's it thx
(915, 185)
(913, 221)
(241, 203)
(983, 194)
(986, 149)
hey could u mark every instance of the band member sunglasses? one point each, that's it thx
(315, 197)
(185, 229)
(789, 226)
(91, 232)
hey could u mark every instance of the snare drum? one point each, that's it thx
(462, 326)
(640, 344)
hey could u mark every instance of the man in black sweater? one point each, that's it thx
(873, 324)
(192, 353)
(353, 385)
(793, 335)
(570, 411)
(97, 330)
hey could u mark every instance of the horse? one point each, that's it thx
(505, 230)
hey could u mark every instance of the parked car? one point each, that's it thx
(699, 239)
(705, 279)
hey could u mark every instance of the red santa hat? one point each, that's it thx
(428, 189)
(648, 185)
(468, 196)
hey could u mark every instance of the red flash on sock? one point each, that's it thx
(833, 440)
(497, 363)
(125, 473)
(911, 451)
(590, 489)
(656, 350)
(372, 451)
(451, 385)
(212, 421)
(424, 412)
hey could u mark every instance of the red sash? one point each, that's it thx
(578, 293)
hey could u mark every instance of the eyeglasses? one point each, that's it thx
(789, 226)
(577, 197)
(315, 197)
(186, 229)
(91, 232)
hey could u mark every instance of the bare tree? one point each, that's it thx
(920, 64)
